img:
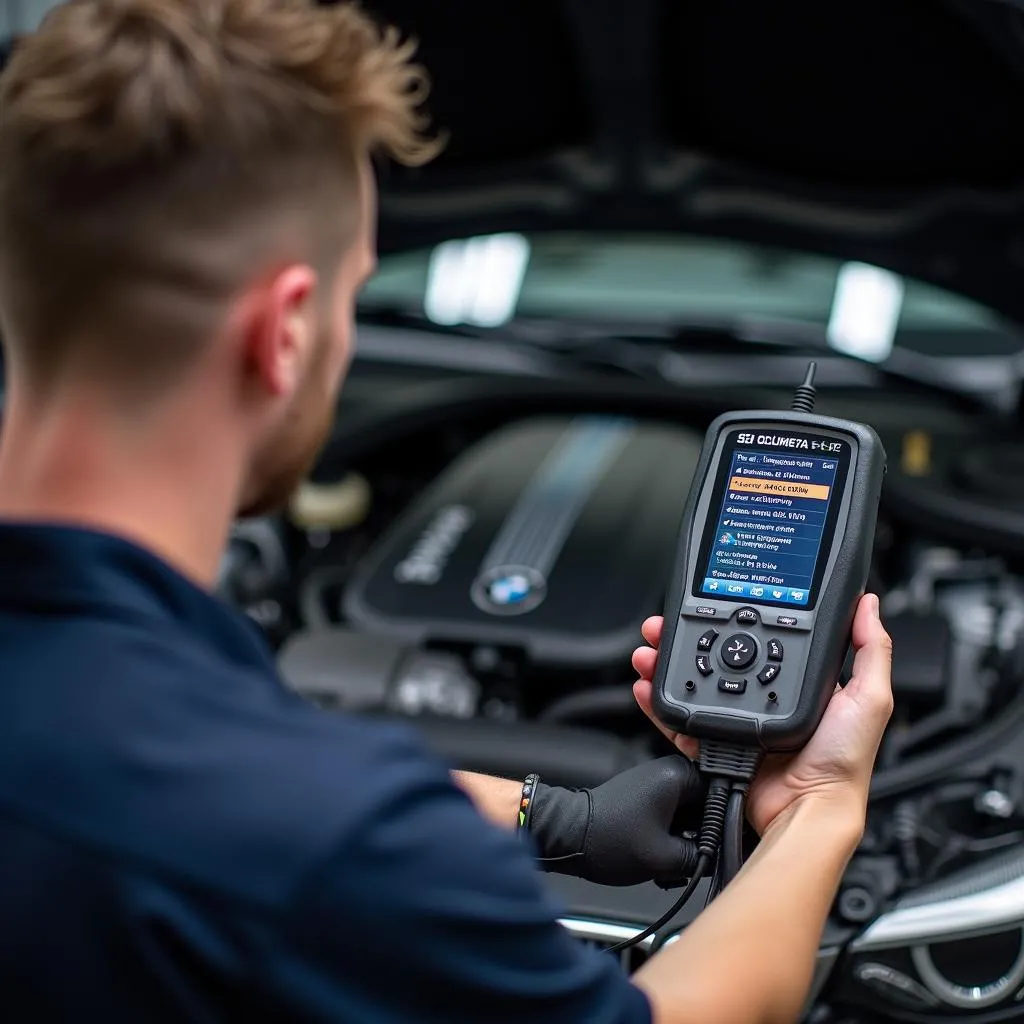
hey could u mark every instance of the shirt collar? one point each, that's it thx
(76, 571)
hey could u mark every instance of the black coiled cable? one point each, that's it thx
(691, 887)
(805, 394)
(732, 840)
(716, 883)
(713, 825)
(707, 849)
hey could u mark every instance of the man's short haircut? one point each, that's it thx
(154, 152)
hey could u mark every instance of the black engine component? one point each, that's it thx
(964, 486)
(921, 658)
(341, 670)
(551, 536)
(351, 671)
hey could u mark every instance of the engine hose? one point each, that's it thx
(888, 782)
(928, 768)
(905, 823)
(602, 700)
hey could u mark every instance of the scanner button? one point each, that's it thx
(786, 620)
(768, 673)
(738, 651)
(732, 685)
(774, 650)
(704, 665)
(747, 617)
(707, 611)
(707, 639)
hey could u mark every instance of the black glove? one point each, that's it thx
(625, 831)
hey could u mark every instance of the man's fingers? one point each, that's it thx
(651, 630)
(867, 627)
(687, 745)
(644, 658)
(642, 690)
(644, 661)
(872, 664)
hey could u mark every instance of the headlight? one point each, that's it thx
(950, 950)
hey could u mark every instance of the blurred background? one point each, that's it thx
(22, 15)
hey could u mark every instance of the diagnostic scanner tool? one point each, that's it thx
(774, 552)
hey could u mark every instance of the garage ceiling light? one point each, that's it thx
(865, 311)
(477, 280)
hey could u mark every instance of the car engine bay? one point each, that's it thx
(495, 512)
(484, 574)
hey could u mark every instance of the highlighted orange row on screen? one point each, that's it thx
(788, 488)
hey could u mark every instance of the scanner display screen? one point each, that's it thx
(773, 517)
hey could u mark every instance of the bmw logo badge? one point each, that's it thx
(509, 590)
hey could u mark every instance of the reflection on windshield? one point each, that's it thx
(676, 279)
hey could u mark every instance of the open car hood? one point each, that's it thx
(885, 131)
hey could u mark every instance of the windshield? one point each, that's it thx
(683, 280)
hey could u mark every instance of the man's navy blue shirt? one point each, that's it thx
(182, 838)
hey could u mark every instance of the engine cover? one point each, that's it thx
(554, 536)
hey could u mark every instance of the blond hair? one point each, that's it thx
(152, 152)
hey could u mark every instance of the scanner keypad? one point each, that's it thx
(739, 653)
(707, 640)
(736, 686)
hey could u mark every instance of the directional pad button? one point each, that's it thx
(738, 651)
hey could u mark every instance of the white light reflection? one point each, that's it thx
(865, 311)
(476, 281)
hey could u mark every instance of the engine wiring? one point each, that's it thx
(929, 842)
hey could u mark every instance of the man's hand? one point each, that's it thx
(625, 831)
(837, 762)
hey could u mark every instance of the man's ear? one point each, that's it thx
(283, 328)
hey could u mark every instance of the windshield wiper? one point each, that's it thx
(634, 347)
(671, 351)
(597, 346)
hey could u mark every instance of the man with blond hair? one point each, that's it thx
(186, 218)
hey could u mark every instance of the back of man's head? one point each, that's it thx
(156, 154)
